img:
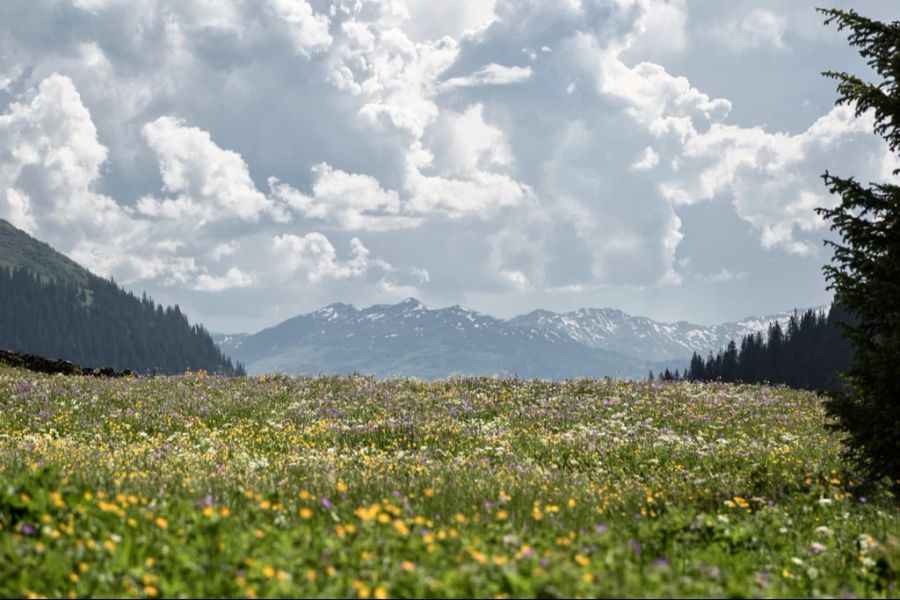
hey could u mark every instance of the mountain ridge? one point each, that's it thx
(412, 339)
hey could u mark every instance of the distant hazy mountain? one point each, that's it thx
(410, 339)
(612, 329)
(51, 306)
(413, 340)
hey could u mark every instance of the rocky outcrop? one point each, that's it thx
(52, 366)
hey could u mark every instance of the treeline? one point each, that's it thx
(809, 353)
(102, 325)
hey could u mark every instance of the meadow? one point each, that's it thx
(347, 486)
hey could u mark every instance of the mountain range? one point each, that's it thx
(411, 339)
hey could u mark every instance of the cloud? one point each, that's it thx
(50, 167)
(774, 179)
(656, 99)
(313, 256)
(210, 183)
(345, 200)
(308, 29)
(492, 74)
(647, 160)
(516, 152)
(233, 278)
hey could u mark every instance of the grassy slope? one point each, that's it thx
(351, 487)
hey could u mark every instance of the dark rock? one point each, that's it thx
(40, 364)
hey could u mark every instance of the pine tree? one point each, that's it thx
(865, 269)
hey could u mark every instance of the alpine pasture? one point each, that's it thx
(199, 485)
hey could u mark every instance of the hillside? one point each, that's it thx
(18, 250)
(52, 307)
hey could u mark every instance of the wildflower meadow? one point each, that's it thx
(202, 485)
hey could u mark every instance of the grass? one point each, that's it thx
(347, 486)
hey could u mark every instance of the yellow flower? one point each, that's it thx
(208, 511)
(73, 577)
(362, 590)
(151, 591)
(429, 492)
(380, 592)
(162, 523)
(341, 487)
(582, 560)
(502, 515)
(401, 527)
(224, 511)
(268, 572)
(407, 565)
(306, 513)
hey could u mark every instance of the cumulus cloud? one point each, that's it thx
(50, 167)
(210, 183)
(518, 149)
(346, 200)
(308, 29)
(774, 178)
(313, 256)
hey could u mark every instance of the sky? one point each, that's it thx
(251, 160)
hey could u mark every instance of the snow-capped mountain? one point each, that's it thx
(410, 338)
(645, 338)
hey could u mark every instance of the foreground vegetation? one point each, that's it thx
(274, 486)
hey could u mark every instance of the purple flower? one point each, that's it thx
(326, 502)
(863, 499)
(817, 548)
(601, 527)
(28, 529)
(662, 561)
(635, 546)
(207, 501)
